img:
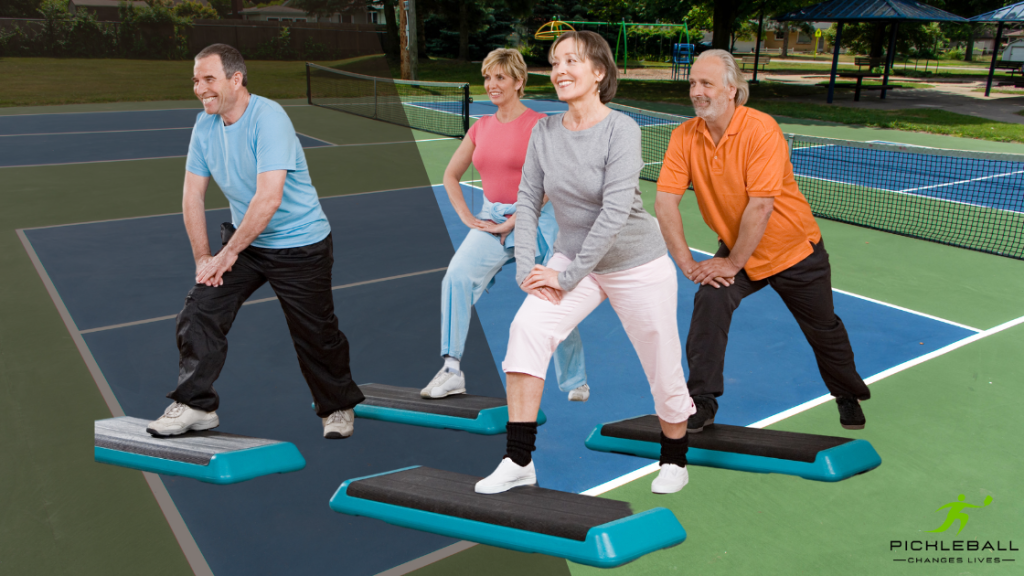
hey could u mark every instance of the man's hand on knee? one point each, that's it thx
(210, 269)
(717, 272)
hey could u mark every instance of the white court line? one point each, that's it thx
(261, 300)
(96, 132)
(188, 545)
(908, 190)
(881, 302)
(653, 467)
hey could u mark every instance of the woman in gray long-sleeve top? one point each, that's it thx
(588, 163)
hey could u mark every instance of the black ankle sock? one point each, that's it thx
(521, 441)
(674, 451)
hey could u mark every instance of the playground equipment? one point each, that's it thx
(556, 28)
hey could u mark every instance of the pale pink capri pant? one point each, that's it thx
(643, 297)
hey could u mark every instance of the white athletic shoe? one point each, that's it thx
(506, 477)
(445, 383)
(339, 424)
(179, 418)
(671, 479)
(580, 393)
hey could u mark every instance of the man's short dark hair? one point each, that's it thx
(230, 58)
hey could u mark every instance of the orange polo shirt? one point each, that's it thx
(750, 161)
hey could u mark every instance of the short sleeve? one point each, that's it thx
(473, 129)
(766, 165)
(675, 173)
(276, 142)
(196, 161)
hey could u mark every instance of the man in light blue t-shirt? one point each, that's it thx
(278, 234)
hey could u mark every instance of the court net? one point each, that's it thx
(435, 107)
(971, 200)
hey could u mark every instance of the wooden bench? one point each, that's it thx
(762, 62)
(869, 62)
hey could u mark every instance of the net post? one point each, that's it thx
(465, 109)
(309, 93)
(789, 143)
(375, 112)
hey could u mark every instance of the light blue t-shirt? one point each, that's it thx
(262, 140)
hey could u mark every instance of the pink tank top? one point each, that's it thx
(500, 153)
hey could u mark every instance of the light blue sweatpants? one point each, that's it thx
(471, 270)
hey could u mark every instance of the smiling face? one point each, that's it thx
(501, 88)
(217, 92)
(573, 77)
(711, 96)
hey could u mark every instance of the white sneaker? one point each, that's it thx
(179, 418)
(445, 383)
(671, 479)
(339, 424)
(506, 477)
(579, 394)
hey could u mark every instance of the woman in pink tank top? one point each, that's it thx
(496, 145)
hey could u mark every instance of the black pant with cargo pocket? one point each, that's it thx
(806, 289)
(301, 279)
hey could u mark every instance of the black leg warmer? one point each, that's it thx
(522, 440)
(674, 451)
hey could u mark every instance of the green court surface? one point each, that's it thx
(946, 426)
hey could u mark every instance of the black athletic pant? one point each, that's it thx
(806, 288)
(301, 279)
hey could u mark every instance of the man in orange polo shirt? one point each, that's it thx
(738, 162)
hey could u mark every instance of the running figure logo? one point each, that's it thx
(956, 513)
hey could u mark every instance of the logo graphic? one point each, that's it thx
(956, 513)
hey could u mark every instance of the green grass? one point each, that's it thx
(49, 81)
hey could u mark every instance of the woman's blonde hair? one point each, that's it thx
(733, 76)
(509, 60)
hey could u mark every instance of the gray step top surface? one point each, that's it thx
(402, 398)
(529, 508)
(127, 434)
(738, 439)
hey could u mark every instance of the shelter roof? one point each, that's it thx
(1012, 13)
(870, 11)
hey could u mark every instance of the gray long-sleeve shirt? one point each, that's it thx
(592, 177)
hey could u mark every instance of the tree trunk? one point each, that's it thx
(725, 12)
(877, 40)
(464, 31)
(785, 40)
(421, 36)
(392, 48)
(969, 53)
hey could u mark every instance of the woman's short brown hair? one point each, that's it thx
(592, 47)
(509, 60)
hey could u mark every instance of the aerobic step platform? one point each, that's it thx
(476, 414)
(207, 456)
(584, 529)
(822, 458)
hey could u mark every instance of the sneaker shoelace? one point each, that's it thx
(335, 417)
(174, 410)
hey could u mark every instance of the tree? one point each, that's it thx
(195, 11)
(19, 8)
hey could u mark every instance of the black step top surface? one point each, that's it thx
(529, 508)
(402, 398)
(736, 439)
(127, 434)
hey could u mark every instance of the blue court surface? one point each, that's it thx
(44, 139)
(123, 281)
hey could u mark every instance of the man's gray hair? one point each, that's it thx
(733, 76)
(230, 58)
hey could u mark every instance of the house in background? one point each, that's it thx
(104, 10)
(357, 13)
